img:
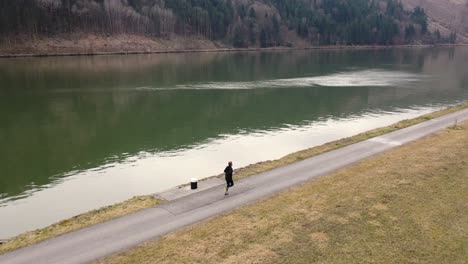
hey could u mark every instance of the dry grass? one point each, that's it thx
(408, 205)
(80, 221)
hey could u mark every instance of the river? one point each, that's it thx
(79, 133)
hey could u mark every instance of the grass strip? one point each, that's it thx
(80, 221)
(407, 205)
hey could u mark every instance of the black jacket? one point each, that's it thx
(228, 171)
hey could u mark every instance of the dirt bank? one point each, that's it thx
(81, 44)
(85, 44)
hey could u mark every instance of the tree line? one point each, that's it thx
(235, 22)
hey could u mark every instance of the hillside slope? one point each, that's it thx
(444, 15)
(91, 26)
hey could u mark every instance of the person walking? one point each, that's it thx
(228, 175)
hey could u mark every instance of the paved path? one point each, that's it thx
(103, 239)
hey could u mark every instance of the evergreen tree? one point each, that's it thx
(419, 16)
(239, 38)
(410, 32)
(263, 39)
(453, 38)
(252, 13)
(242, 11)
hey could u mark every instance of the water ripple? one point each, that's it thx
(377, 78)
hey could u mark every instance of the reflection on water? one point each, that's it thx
(79, 133)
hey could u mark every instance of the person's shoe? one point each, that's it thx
(226, 191)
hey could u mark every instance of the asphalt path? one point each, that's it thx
(100, 240)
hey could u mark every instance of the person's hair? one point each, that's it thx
(230, 163)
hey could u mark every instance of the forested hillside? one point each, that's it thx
(448, 17)
(238, 23)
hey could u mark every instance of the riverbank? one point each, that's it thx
(406, 205)
(94, 216)
(128, 44)
(80, 221)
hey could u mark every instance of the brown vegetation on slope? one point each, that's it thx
(444, 15)
(93, 44)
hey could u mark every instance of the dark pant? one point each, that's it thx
(229, 181)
